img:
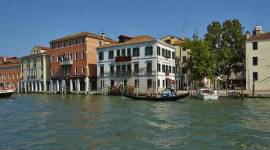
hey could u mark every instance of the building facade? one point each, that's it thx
(73, 62)
(181, 57)
(141, 63)
(36, 70)
(10, 72)
(257, 60)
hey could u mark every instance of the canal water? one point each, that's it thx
(103, 122)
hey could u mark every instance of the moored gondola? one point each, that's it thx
(149, 98)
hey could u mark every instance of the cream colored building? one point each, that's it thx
(258, 60)
(181, 57)
(36, 70)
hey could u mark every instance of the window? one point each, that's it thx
(136, 68)
(184, 59)
(129, 52)
(83, 70)
(158, 51)
(123, 52)
(174, 70)
(129, 69)
(76, 56)
(149, 68)
(117, 69)
(173, 55)
(75, 71)
(111, 54)
(137, 83)
(158, 83)
(158, 67)
(149, 83)
(112, 83)
(112, 70)
(163, 68)
(163, 52)
(118, 53)
(123, 71)
(255, 76)
(71, 56)
(101, 70)
(83, 55)
(123, 68)
(148, 50)
(136, 52)
(255, 61)
(169, 54)
(100, 56)
(255, 45)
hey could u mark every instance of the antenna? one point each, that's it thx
(183, 28)
(196, 32)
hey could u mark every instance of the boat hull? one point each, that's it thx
(6, 94)
(175, 98)
(207, 97)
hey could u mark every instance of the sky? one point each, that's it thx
(27, 23)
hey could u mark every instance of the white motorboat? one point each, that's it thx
(5, 90)
(207, 94)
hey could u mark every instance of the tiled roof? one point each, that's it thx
(172, 36)
(43, 48)
(9, 61)
(133, 40)
(80, 34)
(263, 36)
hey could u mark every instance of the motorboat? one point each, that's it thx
(5, 90)
(206, 94)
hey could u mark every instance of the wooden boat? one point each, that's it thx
(148, 98)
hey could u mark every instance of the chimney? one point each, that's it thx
(257, 30)
(123, 38)
(247, 35)
(103, 35)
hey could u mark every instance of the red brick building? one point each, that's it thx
(10, 71)
(73, 62)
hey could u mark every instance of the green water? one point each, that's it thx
(84, 122)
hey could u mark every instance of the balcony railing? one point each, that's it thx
(66, 62)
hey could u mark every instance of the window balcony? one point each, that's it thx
(66, 62)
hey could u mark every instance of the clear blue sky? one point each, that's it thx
(25, 23)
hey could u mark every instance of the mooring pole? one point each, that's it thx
(253, 89)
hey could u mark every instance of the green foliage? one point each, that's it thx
(201, 61)
(227, 40)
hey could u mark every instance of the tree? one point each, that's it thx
(201, 61)
(228, 42)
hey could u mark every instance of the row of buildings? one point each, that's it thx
(85, 62)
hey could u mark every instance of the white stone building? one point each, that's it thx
(258, 60)
(142, 63)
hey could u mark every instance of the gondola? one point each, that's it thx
(148, 98)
